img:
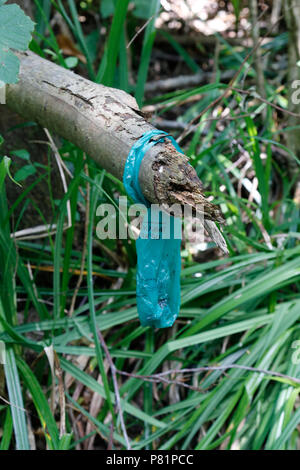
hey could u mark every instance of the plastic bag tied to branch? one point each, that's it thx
(158, 250)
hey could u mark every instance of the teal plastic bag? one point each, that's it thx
(158, 259)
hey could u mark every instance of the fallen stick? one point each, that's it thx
(184, 81)
(105, 123)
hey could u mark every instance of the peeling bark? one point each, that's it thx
(105, 123)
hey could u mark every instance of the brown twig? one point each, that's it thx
(111, 437)
(61, 395)
(141, 29)
(161, 376)
(260, 98)
(11, 404)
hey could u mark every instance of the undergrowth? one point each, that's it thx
(240, 310)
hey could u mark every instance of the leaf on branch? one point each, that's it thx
(15, 33)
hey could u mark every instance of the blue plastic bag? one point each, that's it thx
(158, 259)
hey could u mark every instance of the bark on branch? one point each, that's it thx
(105, 123)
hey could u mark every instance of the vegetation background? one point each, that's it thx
(80, 372)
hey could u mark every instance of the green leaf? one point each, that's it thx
(4, 170)
(9, 66)
(24, 172)
(291, 426)
(41, 404)
(16, 401)
(15, 33)
(65, 441)
(7, 431)
(237, 4)
(21, 153)
(71, 62)
(150, 32)
(109, 61)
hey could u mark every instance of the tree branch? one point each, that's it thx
(105, 123)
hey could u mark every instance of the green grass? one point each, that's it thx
(242, 309)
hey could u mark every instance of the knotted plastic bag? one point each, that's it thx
(158, 258)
